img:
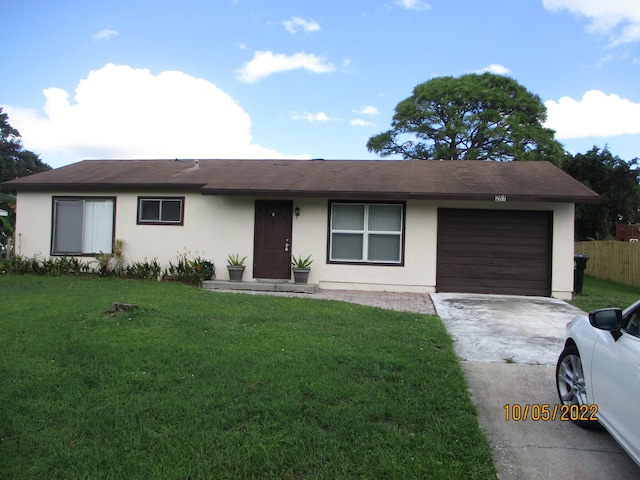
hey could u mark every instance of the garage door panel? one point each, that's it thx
(497, 272)
(512, 228)
(511, 262)
(488, 252)
(505, 240)
(494, 251)
(534, 227)
(481, 233)
(489, 286)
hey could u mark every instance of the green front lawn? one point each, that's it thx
(198, 385)
(598, 293)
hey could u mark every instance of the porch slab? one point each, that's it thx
(262, 286)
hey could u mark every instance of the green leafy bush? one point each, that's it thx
(54, 266)
(191, 272)
(186, 270)
(147, 270)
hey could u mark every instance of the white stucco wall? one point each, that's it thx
(33, 224)
(213, 228)
(563, 250)
(216, 226)
(417, 274)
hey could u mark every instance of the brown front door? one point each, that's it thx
(272, 239)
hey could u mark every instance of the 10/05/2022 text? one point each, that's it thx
(546, 412)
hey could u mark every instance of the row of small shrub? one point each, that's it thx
(189, 271)
(192, 272)
(51, 267)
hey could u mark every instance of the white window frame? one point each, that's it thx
(96, 229)
(159, 220)
(366, 233)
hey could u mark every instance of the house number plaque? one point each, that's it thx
(500, 198)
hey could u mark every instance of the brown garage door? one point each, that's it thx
(494, 251)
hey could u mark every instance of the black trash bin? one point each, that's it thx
(579, 265)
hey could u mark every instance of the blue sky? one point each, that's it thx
(300, 79)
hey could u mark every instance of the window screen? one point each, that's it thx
(82, 225)
(363, 232)
(160, 210)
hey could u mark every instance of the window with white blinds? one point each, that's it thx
(82, 226)
(366, 232)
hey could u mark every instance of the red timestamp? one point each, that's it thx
(545, 412)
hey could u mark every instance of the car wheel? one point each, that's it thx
(570, 382)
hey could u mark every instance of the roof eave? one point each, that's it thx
(374, 195)
(78, 187)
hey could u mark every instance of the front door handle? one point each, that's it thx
(286, 245)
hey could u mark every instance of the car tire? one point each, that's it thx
(571, 386)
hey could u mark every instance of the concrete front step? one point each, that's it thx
(261, 286)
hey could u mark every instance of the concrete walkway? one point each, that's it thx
(403, 302)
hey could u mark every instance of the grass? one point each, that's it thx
(198, 385)
(598, 293)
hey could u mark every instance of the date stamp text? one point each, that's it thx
(545, 412)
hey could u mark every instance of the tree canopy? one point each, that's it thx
(472, 117)
(15, 162)
(616, 181)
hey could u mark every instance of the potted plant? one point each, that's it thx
(111, 263)
(301, 268)
(236, 267)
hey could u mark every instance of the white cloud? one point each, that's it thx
(596, 114)
(619, 18)
(311, 117)
(416, 5)
(106, 34)
(367, 110)
(296, 22)
(122, 112)
(264, 64)
(495, 68)
(359, 122)
(607, 58)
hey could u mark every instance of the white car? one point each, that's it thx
(598, 374)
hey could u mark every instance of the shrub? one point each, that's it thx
(191, 272)
(57, 266)
(111, 263)
(147, 270)
(54, 266)
(19, 265)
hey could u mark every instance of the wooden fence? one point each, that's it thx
(612, 260)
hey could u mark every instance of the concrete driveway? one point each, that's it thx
(500, 328)
(508, 347)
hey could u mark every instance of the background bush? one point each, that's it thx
(185, 270)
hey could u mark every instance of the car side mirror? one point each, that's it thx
(609, 319)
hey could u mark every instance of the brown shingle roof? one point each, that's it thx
(357, 179)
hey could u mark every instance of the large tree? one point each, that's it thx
(472, 117)
(616, 181)
(15, 162)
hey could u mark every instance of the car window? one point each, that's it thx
(632, 323)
